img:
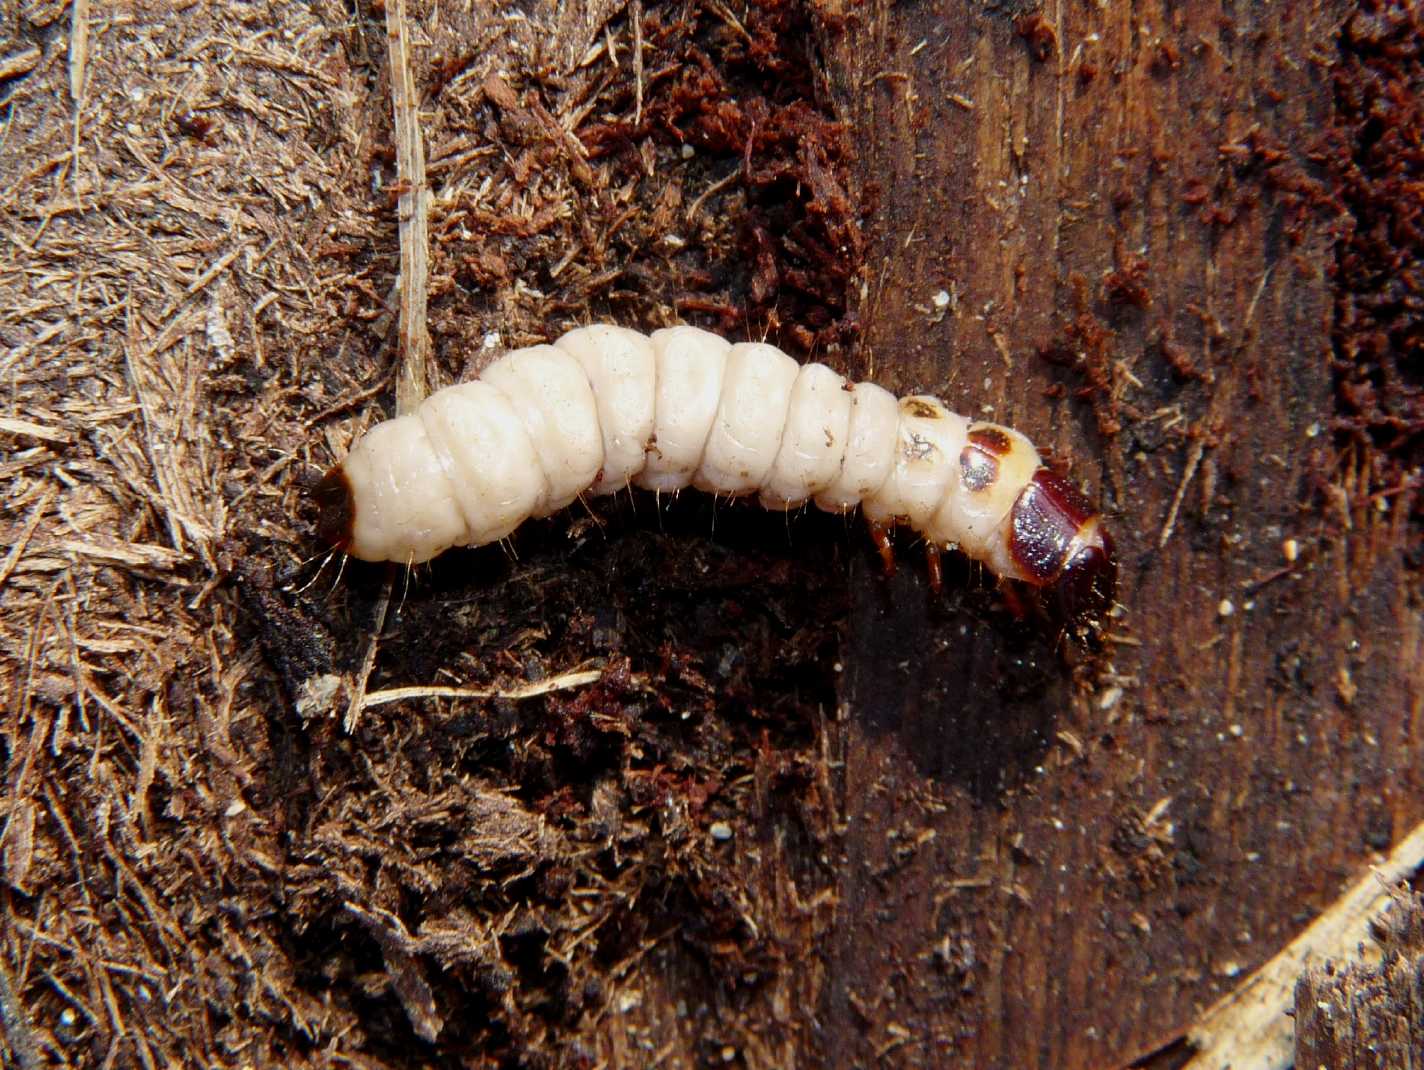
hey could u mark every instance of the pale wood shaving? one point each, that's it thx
(413, 383)
(12, 425)
(542, 687)
(78, 48)
(1250, 1027)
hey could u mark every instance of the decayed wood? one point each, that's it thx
(805, 815)
(1092, 184)
(1367, 1017)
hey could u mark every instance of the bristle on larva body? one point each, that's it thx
(604, 408)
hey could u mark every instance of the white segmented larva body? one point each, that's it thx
(691, 364)
(813, 441)
(487, 456)
(929, 440)
(552, 395)
(407, 501)
(870, 449)
(746, 433)
(622, 370)
(605, 407)
(981, 506)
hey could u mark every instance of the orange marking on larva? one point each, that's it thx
(992, 440)
(920, 409)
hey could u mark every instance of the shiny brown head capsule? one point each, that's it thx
(1088, 583)
(1060, 544)
(336, 509)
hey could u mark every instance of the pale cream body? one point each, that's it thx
(551, 393)
(975, 520)
(605, 408)
(751, 414)
(691, 364)
(928, 442)
(813, 441)
(870, 449)
(621, 366)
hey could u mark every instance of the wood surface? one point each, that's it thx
(685, 783)
(1264, 734)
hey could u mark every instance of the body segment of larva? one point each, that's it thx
(870, 449)
(486, 454)
(552, 395)
(406, 509)
(621, 366)
(751, 415)
(691, 365)
(605, 407)
(928, 439)
(813, 440)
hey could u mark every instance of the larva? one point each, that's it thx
(605, 407)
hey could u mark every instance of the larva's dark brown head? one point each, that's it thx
(1060, 544)
(335, 509)
(1088, 583)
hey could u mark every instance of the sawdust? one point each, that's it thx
(199, 311)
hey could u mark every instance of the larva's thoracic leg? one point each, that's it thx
(933, 568)
(606, 407)
(884, 546)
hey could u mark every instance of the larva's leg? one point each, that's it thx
(1014, 601)
(880, 535)
(934, 568)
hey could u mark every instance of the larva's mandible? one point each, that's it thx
(605, 407)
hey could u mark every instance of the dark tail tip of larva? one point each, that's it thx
(1087, 585)
(335, 509)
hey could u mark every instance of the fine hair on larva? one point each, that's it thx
(604, 408)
